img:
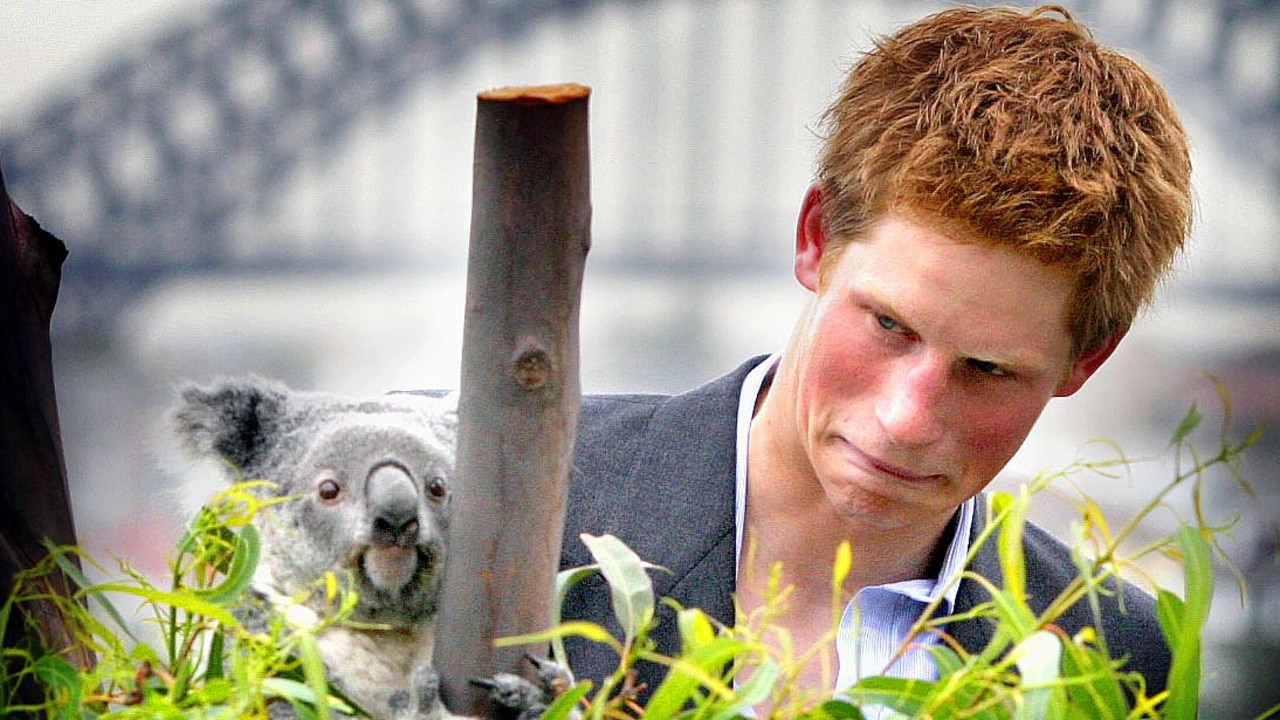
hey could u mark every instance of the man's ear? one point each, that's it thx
(810, 239)
(1087, 364)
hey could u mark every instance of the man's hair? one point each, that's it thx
(1018, 129)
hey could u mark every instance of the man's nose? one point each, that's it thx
(910, 407)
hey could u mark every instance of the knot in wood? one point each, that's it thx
(532, 368)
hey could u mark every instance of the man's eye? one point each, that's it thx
(889, 323)
(986, 367)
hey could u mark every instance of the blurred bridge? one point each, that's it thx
(285, 137)
(171, 157)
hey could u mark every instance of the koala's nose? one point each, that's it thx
(393, 505)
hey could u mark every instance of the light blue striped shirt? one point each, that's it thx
(879, 618)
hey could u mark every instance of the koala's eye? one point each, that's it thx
(328, 490)
(437, 488)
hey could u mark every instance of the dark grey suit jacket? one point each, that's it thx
(659, 473)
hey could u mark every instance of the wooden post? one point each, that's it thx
(35, 504)
(520, 393)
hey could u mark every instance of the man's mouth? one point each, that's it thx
(883, 468)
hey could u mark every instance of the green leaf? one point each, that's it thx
(1183, 621)
(1169, 611)
(567, 702)
(72, 571)
(629, 584)
(1013, 561)
(1016, 619)
(573, 628)
(1038, 658)
(240, 573)
(945, 659)
(565, 581)
(696, 629)
(60, 676)
(180, 599)
(298, 692)
(217, 648)
(840, 569)
(999, 503)
(1093, 689)
(906, 696)
(837, 710)
(215, 692)
(317, 680)
(756, 689)
(1189, 423)
(703, 667)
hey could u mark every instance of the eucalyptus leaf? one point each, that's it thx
(565, 581)
(239, 574)
(72, 571)
(1093, 690)
(837, 710)
(945, 659)
(755, 690)
(696, 629)
(1189, 423)
(1013, 561)
(1182, 622)
(690, 672)
(907, 696)
(59, 675)
(629, 583)
(564, 705)
(1016, 619)
(572, 628)
(180, 599)
(1039, 659)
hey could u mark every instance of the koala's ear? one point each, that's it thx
(232, 419)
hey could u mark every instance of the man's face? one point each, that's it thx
(920, 367)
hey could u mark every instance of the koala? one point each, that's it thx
(368, 482)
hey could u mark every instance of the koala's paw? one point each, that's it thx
(423, 698)
(525, 700)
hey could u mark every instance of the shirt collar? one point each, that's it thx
(751, 386)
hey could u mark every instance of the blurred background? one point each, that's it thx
(283, 187)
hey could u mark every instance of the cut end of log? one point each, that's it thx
(537, 94)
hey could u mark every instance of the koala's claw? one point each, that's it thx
(524, 699)
(515, 694)
(554, 678)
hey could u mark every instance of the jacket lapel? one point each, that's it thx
(975, 635)
(688, 472)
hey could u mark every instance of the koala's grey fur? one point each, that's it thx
(372, 480)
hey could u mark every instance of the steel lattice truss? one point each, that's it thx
(235, 99)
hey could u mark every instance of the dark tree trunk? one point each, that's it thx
(35, 504)
(520, 394)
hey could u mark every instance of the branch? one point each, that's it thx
(520, 394)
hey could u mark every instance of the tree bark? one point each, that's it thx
(35, 504)
(520, 392)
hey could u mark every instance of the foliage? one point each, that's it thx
(1031, 670)
(211, 663)
(206, 662)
